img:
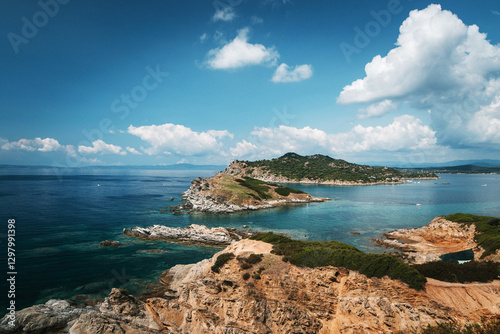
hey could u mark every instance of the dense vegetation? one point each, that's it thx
(488, 228)
(221, 260)
(485, 327)
(459, 273)
(321, 167)
(334, 253)
(260, 187)
(285, 191)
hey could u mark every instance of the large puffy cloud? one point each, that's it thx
(37, 144)
(284, 74)
(240, 53)
(405, 134)
(179, 140)
(440, 64)
(99, 146)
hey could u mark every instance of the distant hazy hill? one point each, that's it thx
(465, 169)
(454, 163)
(144, 167)
(318, 168)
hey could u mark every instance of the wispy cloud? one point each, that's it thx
(99, 146)
(226, 14)
(285, 74)
(377, 109)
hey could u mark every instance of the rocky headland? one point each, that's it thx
(271, 296)
(224, 193)
(426, 244)
(319, 169)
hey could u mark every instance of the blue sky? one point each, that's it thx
(206, 82)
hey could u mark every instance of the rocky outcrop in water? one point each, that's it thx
(426, 244)
(193, 234)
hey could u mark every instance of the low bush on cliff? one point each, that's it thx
(334, 253)
(459, 273)
(489, 231)
(221, 260)
(485, 327)
(285, 191)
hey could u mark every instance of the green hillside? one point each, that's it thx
(322, 167)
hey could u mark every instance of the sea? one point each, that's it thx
(61, 216)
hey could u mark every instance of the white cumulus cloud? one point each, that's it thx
(37, 144)
(99, 146)
(239, 53)
(285, 74)
(438, 63)
(405, 134)
(179, 140)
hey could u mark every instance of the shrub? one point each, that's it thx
(248, 262)
(334, 253)
(254, 258)
(221, 260)
(459, 273)
(246, 276)
(245, 266)
(485, 327)
(256, 276)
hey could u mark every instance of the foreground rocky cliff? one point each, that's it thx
(273, 297)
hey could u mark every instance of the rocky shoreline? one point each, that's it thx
(282, 298)
(192, 234)
(428, 243)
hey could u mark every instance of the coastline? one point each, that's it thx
(278, 297)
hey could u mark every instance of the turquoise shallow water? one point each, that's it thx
(62, 219)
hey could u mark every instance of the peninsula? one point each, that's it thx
(225, 193)
(318, 169)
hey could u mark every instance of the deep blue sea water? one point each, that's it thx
(61, 218)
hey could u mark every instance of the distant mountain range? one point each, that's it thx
(144, 167)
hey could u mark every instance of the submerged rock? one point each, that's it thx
(111, 243)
